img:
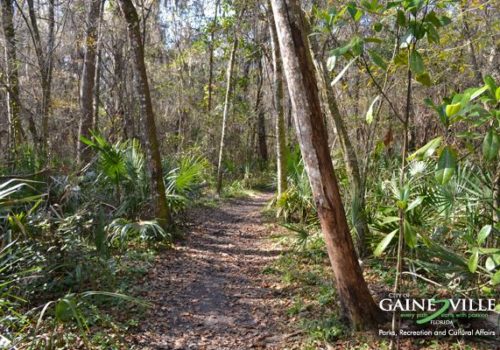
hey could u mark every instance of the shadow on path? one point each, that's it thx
(209, 292)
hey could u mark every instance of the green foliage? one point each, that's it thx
(184, 182)
(122, 231)
(80, 240)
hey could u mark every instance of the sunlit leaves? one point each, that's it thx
(354, 11)
(410, 235)
(473, 260)
(341, 74)
(415, 203)
(330, 62)
(453, 109)
(377, 59)
(483, 234)
(446, 167)
(490, 145)
(354, 47)
(427, 150)
(416, 63)
(496, 278)
(492, 262)
(478, 92)
(384, 243)
(369, 113)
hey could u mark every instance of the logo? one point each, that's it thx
(431, 312)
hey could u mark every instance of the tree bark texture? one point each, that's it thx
(16, 133)
(88, 79)
(162, 212)
(277, 87)
(351, 160)
(261, 120)
(357, 303)
(230, 68)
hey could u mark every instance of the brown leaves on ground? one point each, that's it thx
(210, 292)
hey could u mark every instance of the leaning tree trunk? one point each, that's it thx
(357, 303)
(88, 79)
(351, 161)
(16, 132)
(281, 171)
(230, 68)
(152, 148)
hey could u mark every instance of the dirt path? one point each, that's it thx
(210, 292)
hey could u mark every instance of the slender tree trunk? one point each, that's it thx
(45, 66)
(13, 107)
(330, 106)
(152, 148)
(97, 93)
(478, 76)
(88, 79)
(211, 59)
(97, 78)
(230, 67)
(261, 121)
(357, 303)
(278, 107)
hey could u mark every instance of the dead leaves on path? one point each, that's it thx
(209, 292)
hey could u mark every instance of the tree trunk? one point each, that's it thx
(230, 67)
(211, 59)
(357, 303)
(478, 76)
(97, 78)
(278, 107)
(152, 148)
(45, 66)
(13, 108)
(88, 79)
(330, 106)
(261, 121)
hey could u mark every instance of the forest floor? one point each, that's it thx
(210, 291)
(234, 283)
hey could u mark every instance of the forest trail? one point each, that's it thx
(210, 291)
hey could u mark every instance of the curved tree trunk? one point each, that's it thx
(357, 303)
(162, 213)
